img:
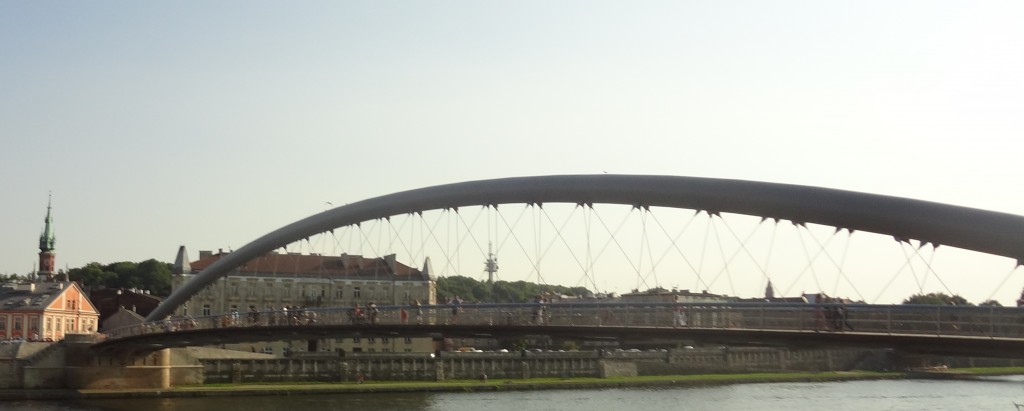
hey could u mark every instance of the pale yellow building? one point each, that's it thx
(274, 281)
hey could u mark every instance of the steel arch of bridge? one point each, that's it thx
(905, 219)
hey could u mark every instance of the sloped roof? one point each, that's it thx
(24, 300)
(314, 265)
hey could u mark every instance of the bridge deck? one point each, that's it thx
(979, 331)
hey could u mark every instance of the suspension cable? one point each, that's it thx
(920, 287)
(828, 255)
(771, 248)
(614, 240)
(810, 261)
(928, 265)
(704, 250)
(892, 279)
(1005, 279)
(566, 243)
(675, 245)
(519, 243)
(743, 245)
(721, 253)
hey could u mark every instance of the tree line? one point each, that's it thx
(471, 290)
(946, 299)
(151, 275)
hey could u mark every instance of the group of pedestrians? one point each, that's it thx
(540, 310)
(831, 314)
(287, 315)
(369, 315)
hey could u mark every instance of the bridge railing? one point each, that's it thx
(992, 322)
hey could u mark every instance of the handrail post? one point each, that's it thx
(800, 318)
(991, 321)
(762, 316)
(888, 319)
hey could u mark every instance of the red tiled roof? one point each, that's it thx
(350, 266)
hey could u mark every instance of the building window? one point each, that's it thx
(371, 340)
(384, 340)
(408, 340)
(17, 323)
(268, 350)
(33, 324)
(408, 350)
(49, 324)
(59, 324)
(3, 323)
(206, 310)
(356, 293)
(338, 293)
(355, 340)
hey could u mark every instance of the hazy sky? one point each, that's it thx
(158, 124)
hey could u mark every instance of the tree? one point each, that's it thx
(936, 299)
(12, 278)
(990, 303)
(150, 275)
(469, 289)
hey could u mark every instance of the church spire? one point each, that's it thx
(47, 241)
(47, 245)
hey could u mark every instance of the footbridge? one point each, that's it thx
(740, 240)
(940, 330)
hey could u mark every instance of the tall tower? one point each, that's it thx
(47, 245)
(491, 265)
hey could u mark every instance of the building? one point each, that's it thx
(275, 280)
(45, 311)
(110, 301)
(45, 308)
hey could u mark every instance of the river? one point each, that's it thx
(991, 393)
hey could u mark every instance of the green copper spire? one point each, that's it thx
(47, 241)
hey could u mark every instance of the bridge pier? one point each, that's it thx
(164, 359)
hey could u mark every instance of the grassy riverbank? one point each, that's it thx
(211, 390)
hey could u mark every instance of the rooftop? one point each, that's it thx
(316, 265)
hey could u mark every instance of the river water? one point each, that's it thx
(992, 393)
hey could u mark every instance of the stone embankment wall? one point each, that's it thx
(31, 365)
(411, 367)
(75, 365)
(447, 366)
(733, 360)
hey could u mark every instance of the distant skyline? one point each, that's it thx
(204, 124)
